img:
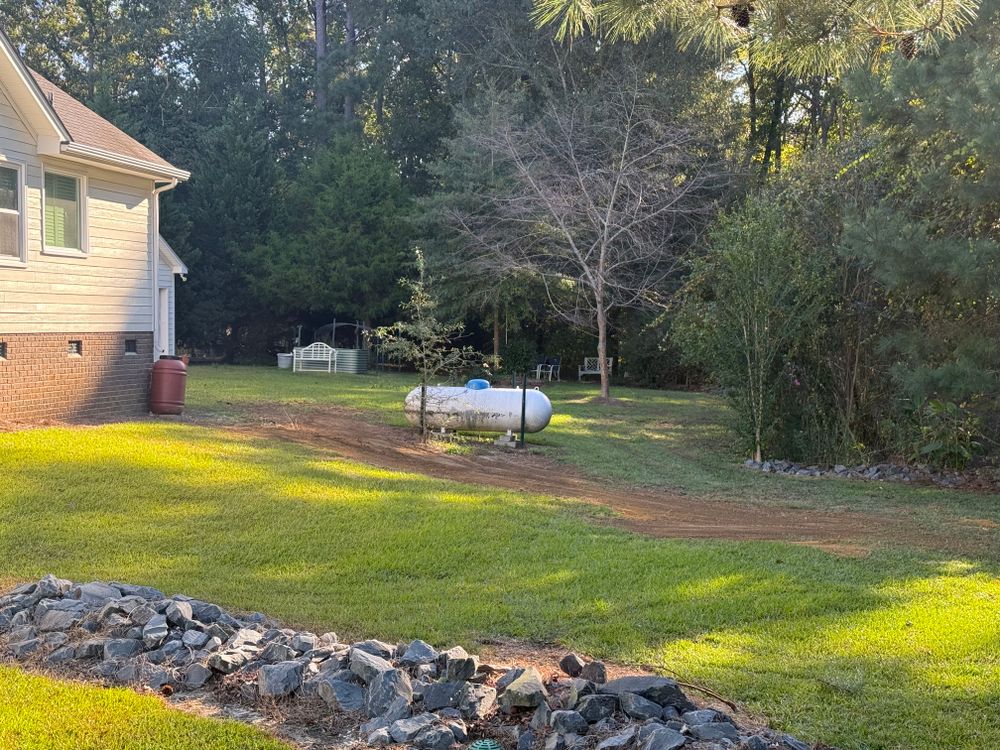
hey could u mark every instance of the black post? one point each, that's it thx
(524, 402)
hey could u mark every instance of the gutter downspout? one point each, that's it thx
(154, 244)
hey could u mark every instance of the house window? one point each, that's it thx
(11, 217)
(63, 214)
(3, 350)
(75, 348)
(131, 347)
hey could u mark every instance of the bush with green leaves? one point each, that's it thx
(749, 306)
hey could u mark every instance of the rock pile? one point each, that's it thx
(883, 472)
(409, 694)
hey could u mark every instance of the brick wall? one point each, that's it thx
(40, 379)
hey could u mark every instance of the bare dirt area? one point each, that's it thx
(656, 513)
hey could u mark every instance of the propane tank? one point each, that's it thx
(166, 388)
(478, 409)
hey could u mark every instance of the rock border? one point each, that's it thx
(882, 472)
(410, 694)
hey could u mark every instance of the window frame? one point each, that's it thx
(21, 261)
(68, 252)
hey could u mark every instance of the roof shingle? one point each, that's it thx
(88, 128)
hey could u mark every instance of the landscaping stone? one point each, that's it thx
(640, 708)
(279, 680)
(417, 653)
(144, 638)
(568, 722)
(367, 665)
(384, 688)
(660, 690)
(662, 738)
(572, 665)
(787, 741)
(527, 691)
(121, 647)
(404, 730)
(343, 695)
(717, 730)
(594, 708)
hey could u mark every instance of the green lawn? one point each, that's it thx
(675, 440)
(41, 714)
(897, 650)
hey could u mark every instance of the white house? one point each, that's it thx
(86, 281)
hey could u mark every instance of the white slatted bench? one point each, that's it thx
(592, 366)
(316, 357)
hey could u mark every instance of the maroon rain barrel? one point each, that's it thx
(166, 390)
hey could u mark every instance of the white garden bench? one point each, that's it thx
(316, 357)
(592, 366)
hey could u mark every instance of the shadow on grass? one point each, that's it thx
(895, 650)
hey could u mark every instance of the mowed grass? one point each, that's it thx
(43, 714)
(675, 440)
(896, 651)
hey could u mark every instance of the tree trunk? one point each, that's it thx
(320, 55)
(496, 330)
(602, 351)
(349, 44)
(774, 128)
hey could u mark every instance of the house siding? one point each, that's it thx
(165, 280)
(40, 380)
(109, 290)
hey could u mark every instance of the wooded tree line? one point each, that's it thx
(672, 183)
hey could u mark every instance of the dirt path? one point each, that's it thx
(658, 513)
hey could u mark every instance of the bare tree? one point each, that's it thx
(594, 194)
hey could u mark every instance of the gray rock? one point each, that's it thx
(340, 694)
(108, 667)
(787, 741)
(404, 730)
(96, 592)
(477, 701)
(23, 634)
(155, 630)
(56, 619)
(461, 668)
(303, 642)
(279, 680)
(595, 671)
(640, 708)
(379, 738)
(540, 719)
(418, 653)
(62, 655)
(179, 613)
(384, 688)
(146, 592)
(556, 741)
(194, 639)
(572, 665)
(128, 673)
(527, 691)
(243, 637)
(594, 708)
(400, 708)
(525, 740)
(160, 677)
(434, 738)
(662, 738)
(164, 653)
(458, 729)
(195, 676)
(142, 614)
(228, 661)
(577, 689)
(618, 741)
(205, 612)
(699, 716)
(660, 690)
(443, 695)
(275, 652)
(756, 742)
(49, 585)
(366, 665)
(375, 648)
(55, 639)
(508, 677)
(568, 722)
(121, 647)
(92, 648)
(718, 730)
